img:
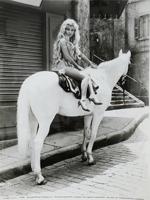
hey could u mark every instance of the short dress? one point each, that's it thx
(62, 63)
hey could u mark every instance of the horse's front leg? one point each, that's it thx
(36, 151)
(86, 135)
(94, 128)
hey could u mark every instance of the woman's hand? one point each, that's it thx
(90, 63)
(93, 65)
(79, 67)
(61, 71)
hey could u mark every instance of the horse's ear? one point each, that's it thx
(120, 52)
(129, 53)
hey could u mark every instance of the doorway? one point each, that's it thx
(53, 22)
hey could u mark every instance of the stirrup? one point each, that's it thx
(83, 105)
(95, 85)
(95, 101)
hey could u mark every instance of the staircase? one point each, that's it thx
(129, 101)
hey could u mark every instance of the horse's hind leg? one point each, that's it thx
(37, 148)
(86, 135)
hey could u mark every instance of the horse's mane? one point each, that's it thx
(106, 63)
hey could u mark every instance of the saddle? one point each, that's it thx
(70, 85)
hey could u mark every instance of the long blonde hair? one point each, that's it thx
(75, 39)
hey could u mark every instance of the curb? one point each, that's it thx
(120, 135)
(73, 150)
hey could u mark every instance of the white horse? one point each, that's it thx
(41, 98)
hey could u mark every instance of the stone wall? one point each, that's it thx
(82, 17)
(107, 37)
(139, 49)
(101, 39)
(119, 35)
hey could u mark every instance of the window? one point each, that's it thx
(142, 25)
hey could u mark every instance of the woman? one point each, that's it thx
(66, 56)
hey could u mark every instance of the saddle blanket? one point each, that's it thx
(70, 85)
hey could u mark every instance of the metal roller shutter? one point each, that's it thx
(21, 47)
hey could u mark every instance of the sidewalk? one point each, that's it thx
(117, 125)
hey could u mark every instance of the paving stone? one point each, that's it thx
(119, 174)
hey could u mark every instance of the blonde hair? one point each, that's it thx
(75, 39)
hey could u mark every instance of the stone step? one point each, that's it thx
(123, 106)
(118, 94)
(127, 100)
(122, 102)
(7, 143)
(116, 91)
(120, 98)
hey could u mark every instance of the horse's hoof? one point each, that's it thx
(92, 163)
(83, 158)
(42, 182)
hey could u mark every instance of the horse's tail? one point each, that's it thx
(23, 123)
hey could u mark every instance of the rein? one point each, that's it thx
(134, 79)
(124, 75)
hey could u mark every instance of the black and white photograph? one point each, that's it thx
(74, 99)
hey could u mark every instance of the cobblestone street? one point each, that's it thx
(121, 172)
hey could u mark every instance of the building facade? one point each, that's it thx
(27, 35)
(138, 41)
(129, 31)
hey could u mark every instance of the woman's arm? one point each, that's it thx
(88, 61)
(67, 56)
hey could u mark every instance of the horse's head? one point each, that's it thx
(126, 59)
(127, 55)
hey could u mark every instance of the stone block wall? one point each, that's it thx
(107, 37)
(139, 69)
(101, 39)
(83, 19)
(119, 35)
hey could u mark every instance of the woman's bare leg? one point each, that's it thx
(92, 96)
(76, 75)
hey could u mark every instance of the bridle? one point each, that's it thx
(122, 80)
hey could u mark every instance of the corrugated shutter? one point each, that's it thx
(21, 47)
